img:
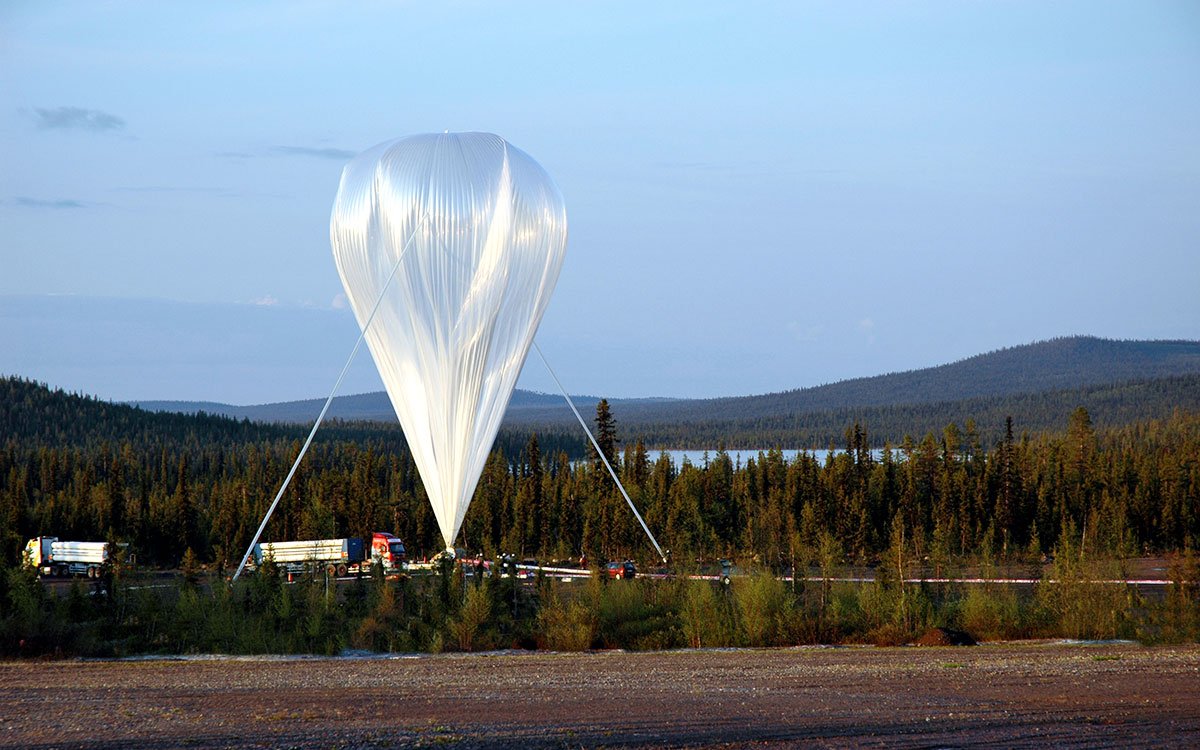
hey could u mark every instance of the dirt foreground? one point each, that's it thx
(1007, 695)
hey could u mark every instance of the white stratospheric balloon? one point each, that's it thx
(479, 230)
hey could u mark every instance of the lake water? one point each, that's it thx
(741, 455)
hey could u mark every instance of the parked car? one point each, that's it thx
(624, 570)
(528, 569)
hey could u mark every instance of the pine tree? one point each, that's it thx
(534, 476)
(184, 509)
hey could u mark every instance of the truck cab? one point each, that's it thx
(389, 551)
(38, 555)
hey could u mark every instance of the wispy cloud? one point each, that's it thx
(266, 300)
(867, 327)
(59, 203)
(166, 192)
(304, 152)
(805, 332)
(340, 154)
(76, 118)
(217, 191)
(748, 167)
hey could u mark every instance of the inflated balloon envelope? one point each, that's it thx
(458, 238)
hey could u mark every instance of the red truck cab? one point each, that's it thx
(389, 550)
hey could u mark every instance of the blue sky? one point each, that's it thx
(761, 196)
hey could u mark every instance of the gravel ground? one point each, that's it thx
(1002, 695)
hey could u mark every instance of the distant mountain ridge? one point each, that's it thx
(1056, 364)
(374, 406)
(1059, 364)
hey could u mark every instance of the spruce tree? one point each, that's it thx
(606, 435)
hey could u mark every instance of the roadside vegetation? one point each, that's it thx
(265, 614)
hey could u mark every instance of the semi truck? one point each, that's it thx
(336, 557)
(51, 556)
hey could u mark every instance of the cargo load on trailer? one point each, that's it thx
(53, 557)
(335, 557)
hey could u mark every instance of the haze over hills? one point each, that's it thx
(1012, 379)
(375, 406)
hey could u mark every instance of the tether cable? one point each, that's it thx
(599, 452)
(328, 401)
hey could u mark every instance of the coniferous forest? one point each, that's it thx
(187, 492)
(84, 469)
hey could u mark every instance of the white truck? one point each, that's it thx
(50, 556)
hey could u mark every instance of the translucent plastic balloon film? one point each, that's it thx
(479, 230)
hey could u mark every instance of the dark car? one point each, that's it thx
(623, 570)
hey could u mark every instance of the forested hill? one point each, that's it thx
(33, 414)
(1055, 365)
(1110, 405)
(1036, 383)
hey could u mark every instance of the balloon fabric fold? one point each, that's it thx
(475, 232)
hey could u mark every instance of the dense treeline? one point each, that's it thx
(167, 484)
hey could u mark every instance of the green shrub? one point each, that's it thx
(564, 622)
(469, 629)
(1176, 619)
(385, 628)
(629, 616)
(990, 612)
(764, 607)
(704, 614)
(1076, 602)
(893, 613)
